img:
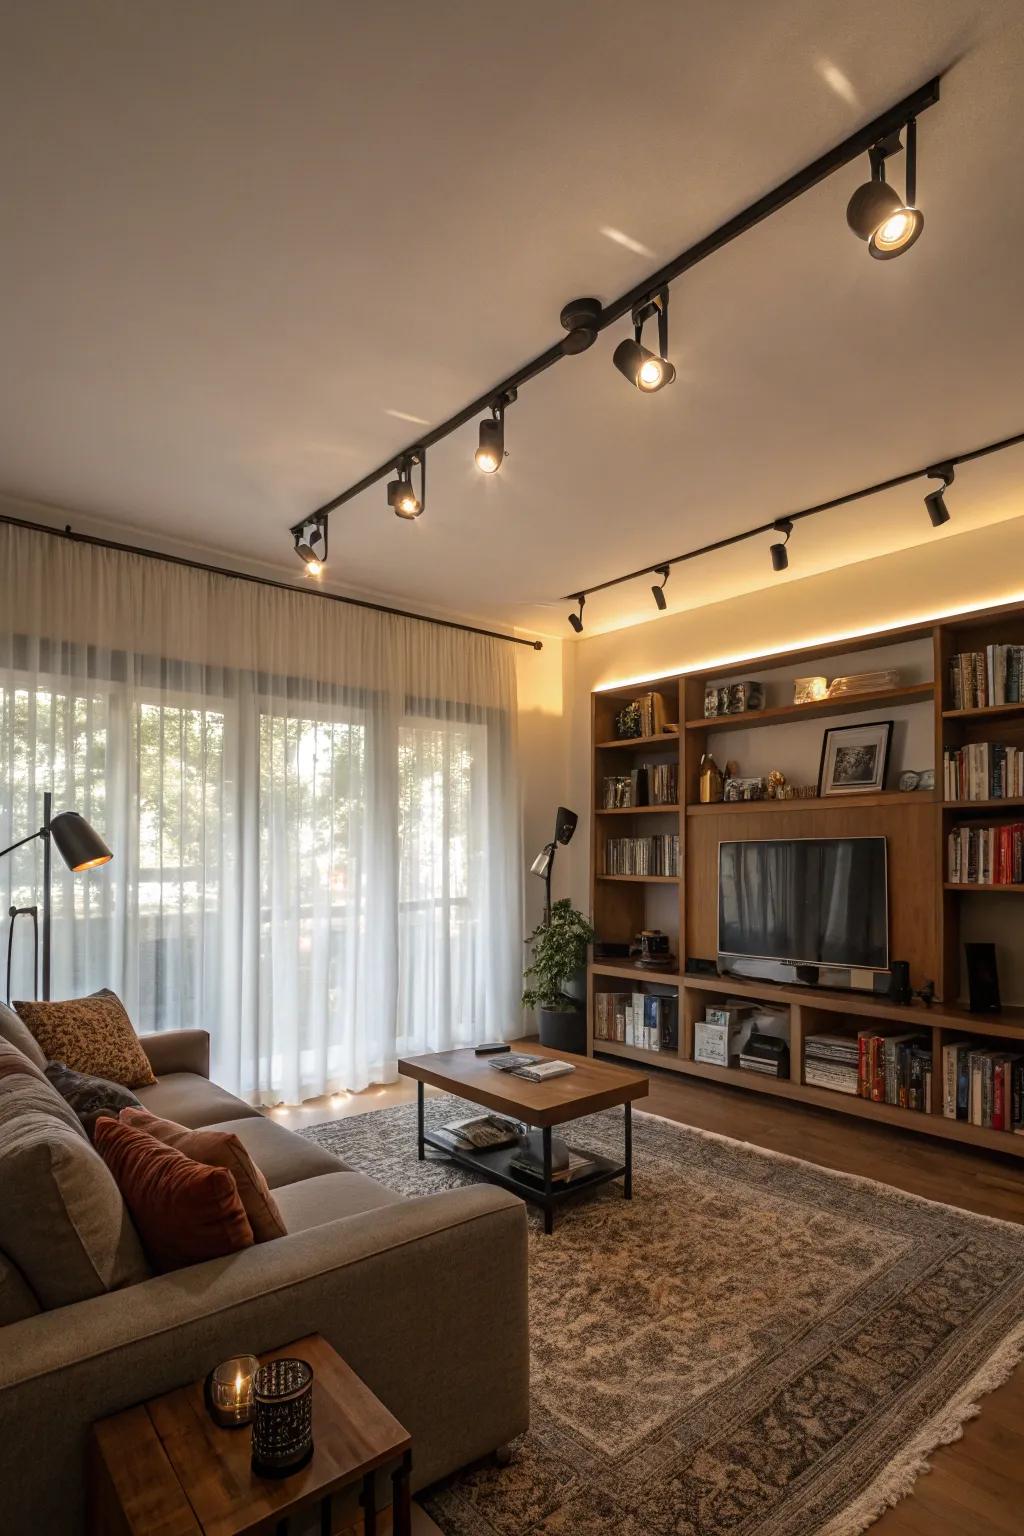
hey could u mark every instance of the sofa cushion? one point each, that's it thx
(16, 1298)
(186, 1212)
(16, 1032)
(218, 1149)
(14, 1061)
(62, 1220)
(90, 1034)
(313, 1202)
(193, 1101)
(281, 1156)
(88, 1096)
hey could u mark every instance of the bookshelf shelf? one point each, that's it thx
(847, 704)
(816, 803)
(639, 743)
(986, 712)
(963, 887)
(925, 914)
(643, 879)
(638, 810)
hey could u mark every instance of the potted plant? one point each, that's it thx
(559, 955)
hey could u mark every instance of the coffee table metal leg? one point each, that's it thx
(548, 1217)
(627, 1183)
(401, 1507)
(419, 1119)
(369, 1503)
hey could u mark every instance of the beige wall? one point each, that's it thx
(972, 570)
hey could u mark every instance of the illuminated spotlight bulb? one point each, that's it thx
(402, 498)
(491, 450)
(314, 567)
(644, 369)
(876, 214)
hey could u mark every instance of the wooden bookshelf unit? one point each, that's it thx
(925, 908)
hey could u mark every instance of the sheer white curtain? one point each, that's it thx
(313, 808)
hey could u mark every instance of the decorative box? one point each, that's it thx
(717, 1037)
(744, 697)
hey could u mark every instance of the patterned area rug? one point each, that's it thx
(753, 1346)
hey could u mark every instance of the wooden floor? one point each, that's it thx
(976, 1485)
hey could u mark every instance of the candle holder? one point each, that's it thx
(282, 1425)
(229, 1393)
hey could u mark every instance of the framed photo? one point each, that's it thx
(855, 759)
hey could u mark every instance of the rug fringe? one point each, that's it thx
(897, 1480)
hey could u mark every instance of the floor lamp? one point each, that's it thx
(543, 865)
(79, 846)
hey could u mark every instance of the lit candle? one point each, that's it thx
(230, 1391)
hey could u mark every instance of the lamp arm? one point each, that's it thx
(22, 841)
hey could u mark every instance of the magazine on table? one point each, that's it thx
(480, 1131)
(512, 1061)
(541, 1071)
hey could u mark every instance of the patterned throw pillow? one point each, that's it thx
(90, 1034)
(89, 1096)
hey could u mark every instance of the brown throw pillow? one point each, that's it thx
(90, 1034)
(218, 1149)
(185, 1212)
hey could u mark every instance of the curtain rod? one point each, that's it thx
(262, 581)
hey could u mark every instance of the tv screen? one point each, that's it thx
(810, 901)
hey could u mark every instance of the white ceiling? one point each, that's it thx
(237, 237)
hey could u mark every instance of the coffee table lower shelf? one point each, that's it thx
(494, 1164)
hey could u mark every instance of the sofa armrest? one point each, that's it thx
(426, 1299)
(178, 1050)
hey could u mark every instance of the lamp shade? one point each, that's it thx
(78, 844)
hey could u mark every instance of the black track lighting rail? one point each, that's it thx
(936, 468)
(849, 149)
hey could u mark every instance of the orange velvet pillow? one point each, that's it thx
(218, 1149)
(184, 1211)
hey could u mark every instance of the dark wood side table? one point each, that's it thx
(165, 1469)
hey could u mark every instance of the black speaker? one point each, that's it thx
(899, 987)
(982, 978)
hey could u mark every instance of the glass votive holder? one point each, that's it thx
(282, 1424)
(229, 1391)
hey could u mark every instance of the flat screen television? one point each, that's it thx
(804, 909)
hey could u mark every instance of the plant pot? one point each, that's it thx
(563, 1029)
(575, 986)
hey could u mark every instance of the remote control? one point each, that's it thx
(491, 1048)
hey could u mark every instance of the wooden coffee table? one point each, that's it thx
(166, 1467)
(591, 1087)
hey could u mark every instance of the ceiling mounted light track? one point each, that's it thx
(876, 213)
(490, 453)
(311, 545)
(648, 371)
(402, 498)
(935, 500)
(584, 319)
(944, 470)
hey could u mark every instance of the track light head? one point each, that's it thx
(576, 619)
(935, 501)
(402, 498)
(490, 453)
(581, 318)
(311, 545)
(779, 552)
(876, 212)
(648, 371)
(658, 593)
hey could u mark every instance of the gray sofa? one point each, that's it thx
(425, 1298)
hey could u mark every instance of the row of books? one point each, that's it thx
(985, 770)
(646, 1019)
(642, 855)
(647, 784)
(652, 713)
(992, 676)
(895, 1068)
(987, 855)
(983, 1086)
